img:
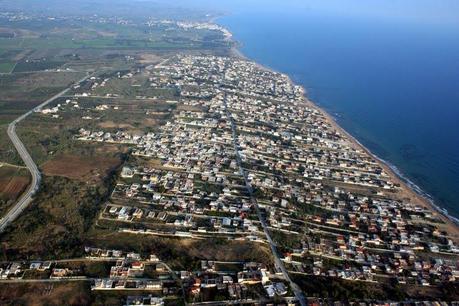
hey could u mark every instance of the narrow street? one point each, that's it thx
(278, 262)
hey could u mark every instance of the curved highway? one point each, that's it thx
(26, 197)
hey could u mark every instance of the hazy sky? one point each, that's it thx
(418, 11)
(427, 12)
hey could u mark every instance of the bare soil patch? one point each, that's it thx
(108, 148)
(15, 187)
(71, 293)
(184, 253)
(13, 182)
(148, 58)
(190, 108)
(150, 122)
(112, 125)
(82, 168)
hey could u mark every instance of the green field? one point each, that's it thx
(102, 43)
(6, 67)
(22, 92)
(27, 66)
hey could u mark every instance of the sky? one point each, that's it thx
(432, 12)
(435, 12)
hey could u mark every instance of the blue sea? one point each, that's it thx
(389, 74)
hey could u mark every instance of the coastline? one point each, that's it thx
(408, 189)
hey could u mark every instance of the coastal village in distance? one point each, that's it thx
(235, 154)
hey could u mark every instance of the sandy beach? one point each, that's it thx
(405, 191)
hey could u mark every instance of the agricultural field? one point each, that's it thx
(13, 182)
(8, 153)
(37, 65)
(34, 87)
(138, 116)
(80, 34)
(40, 58)
(21, 92)
(99, 43)
(6, 67)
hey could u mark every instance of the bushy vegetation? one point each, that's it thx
(56, 224)
(25, 66)
(346, 291)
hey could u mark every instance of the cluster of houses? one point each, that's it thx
(127, 265)
(128, 284)
(235, 285)
(46, 269)
(90, 111)
(11, 270)
(311, 181)
(128, 272)
(197, 175)
(179, 222)
(144, 300)
(112, 254)
(190, 25)
(126, 268)
(53, 111)
(101, 136)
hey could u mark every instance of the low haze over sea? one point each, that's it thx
(389, 73)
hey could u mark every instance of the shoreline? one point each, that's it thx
(407, 187)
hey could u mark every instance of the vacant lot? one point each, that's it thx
(56, 223)
(181, 253)
(71, 293)
(36, 86)
(80, 167)
(112, 125)
(345, 291)
(132, 115)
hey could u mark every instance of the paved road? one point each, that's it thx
(26, 198)
(278, 262)
(46, 280)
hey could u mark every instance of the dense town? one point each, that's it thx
(248, 158)
(146, 161)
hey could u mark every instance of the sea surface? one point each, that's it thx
(390, 79)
